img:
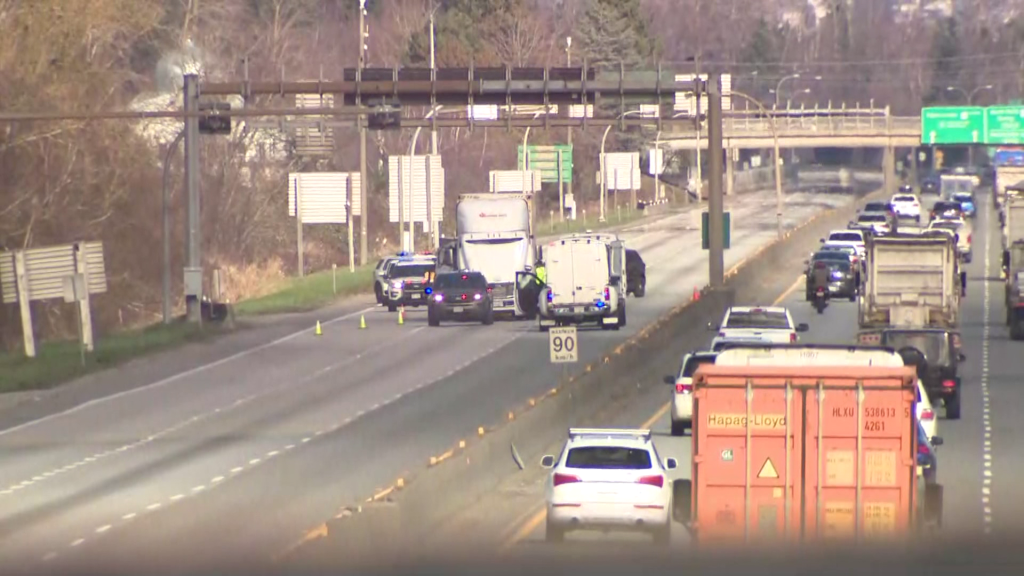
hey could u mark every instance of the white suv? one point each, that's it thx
(854, 238)
(682, 394)
(773, 324)
(609, 479)
(906, 206)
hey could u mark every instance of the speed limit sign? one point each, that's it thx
(562, 342)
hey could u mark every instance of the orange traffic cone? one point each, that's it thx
(696, 294)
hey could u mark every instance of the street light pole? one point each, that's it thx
(778, 167)
(364, 209)
(568, 64)
(604, 179)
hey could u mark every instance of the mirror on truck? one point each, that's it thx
(547, 461)
(961, 356)
(681, 504)
(936, 440)
(669, 379)
(802, 327)
(712, 326)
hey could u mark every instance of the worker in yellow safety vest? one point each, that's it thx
(542, 273)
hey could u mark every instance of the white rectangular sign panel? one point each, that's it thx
(414, 187)
(655, 161)
(622, 170)
(562, 343)
(515, 181)
(686, 102)
(324, 196)
(48, 267)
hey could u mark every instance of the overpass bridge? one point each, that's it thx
(804, 128)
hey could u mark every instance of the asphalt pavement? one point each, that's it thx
(237, 457)
(978, 462)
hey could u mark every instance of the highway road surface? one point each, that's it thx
(978, 463)
(237, 458)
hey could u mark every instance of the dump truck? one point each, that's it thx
(1006, 176)
(760, 415)
(1013, 219)
(1013, 276)
(950, 184)
(912, 281)
(494, 237)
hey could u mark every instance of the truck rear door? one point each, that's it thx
(590, 271)
(803, 453)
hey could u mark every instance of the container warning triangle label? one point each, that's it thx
(768, 470)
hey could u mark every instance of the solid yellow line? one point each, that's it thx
(789, 290)
(534, 521)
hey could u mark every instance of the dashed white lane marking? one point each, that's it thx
(49, 556)
(192, 420)
(986, 491)
(103, 528)
(179, 375)
(129, 516)
(77, 542)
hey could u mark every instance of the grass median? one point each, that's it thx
(60, 361)
(310, 292)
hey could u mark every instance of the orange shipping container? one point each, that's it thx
(803, 453)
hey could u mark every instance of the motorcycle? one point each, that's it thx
(820, 299)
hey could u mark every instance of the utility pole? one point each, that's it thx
(568, 64)
(716, 216)
(193, 239)
(432, 238)
(364, 207)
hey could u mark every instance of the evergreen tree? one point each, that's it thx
(614, 31)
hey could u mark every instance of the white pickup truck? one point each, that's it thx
(586, 282)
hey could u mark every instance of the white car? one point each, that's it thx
(925, 412)
(962, 230)
(853, 238)
(682, 393)
(773, 324)
(877, 222)
(906, 206)
(609, 479)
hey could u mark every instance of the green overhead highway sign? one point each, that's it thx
(953, 125)
(545, 160)
(1004, 125)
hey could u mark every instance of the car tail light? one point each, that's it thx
(463, 296)
(923, 449)
(438, 297)
(607, 294)
(969, 236)
(949, 383)
(657, 480)
(792, 336)
(477, 296)
(489, 289)
(560, 479)
(927, 415)
(684, 388)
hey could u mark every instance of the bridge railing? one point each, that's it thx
(809, 125)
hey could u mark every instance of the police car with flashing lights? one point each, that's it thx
(408, 281)
(609, 479)
(381, 272)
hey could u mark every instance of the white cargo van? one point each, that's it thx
(586, 282)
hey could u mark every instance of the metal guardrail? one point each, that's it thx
(789, 125)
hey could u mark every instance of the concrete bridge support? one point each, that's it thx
(731, 157)
(889, 169)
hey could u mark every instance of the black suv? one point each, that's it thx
(938, 368)
(636, 274)
(460, 296)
